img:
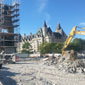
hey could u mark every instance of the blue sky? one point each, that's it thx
(68, 12)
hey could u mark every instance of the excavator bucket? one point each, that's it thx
(71, 54)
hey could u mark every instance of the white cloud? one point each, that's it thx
(42, 5)
(82, 24)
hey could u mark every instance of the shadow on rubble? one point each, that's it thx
(5, 77)
(81, 57)
(5, 68)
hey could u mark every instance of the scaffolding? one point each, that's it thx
(9, 25)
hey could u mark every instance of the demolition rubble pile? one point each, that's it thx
(68, 63)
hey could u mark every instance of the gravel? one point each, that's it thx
(39, 72)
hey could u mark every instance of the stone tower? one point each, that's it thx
(60, 30)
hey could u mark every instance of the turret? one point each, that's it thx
(58, 27)
(60, 30)
(44, 28)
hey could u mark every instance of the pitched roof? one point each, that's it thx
(58, 27)
(49, 30)
(45, 25)
(57, 35)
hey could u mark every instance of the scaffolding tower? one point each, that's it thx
(9, 24)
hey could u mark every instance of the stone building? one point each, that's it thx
(44, 34)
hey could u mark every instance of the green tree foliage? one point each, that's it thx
(50, 48)
(59, 47)
(26, 48)
(77, 44)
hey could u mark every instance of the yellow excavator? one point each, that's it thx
(70, 37)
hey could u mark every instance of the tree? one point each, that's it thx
(45, 48)
(77, 44)
(26, 47)
(50, 48)
(59, 47)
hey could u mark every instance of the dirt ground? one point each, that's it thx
(36, 72)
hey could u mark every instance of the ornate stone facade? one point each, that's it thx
(44, 34)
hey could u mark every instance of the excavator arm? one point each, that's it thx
(70, 37)
(80, 32)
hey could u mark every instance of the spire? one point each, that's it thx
(45, 24)
(44, 28)
(58, 27)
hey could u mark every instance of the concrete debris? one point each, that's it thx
(38, 72)
(70, 64)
